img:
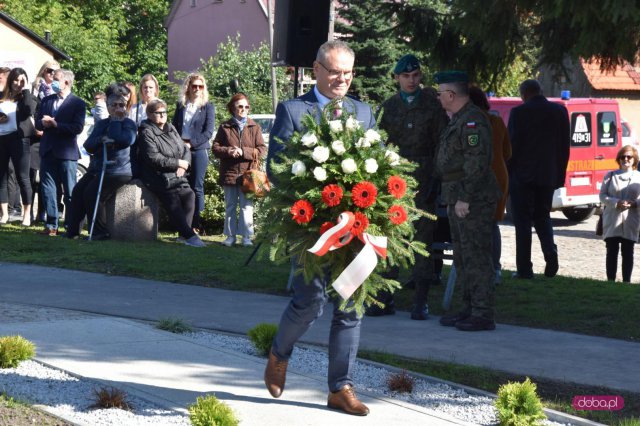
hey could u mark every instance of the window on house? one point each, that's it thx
(193, 3)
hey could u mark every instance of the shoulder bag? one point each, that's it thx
(255, 180)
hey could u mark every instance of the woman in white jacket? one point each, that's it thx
(619, 194)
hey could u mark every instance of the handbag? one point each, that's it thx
(255, 180)
(599, 226)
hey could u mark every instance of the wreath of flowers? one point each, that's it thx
(336, 166)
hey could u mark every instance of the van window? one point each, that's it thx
(607, 129)
(581, 129)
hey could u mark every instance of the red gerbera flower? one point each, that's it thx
(332, 195)
(361, 223)
(325, 227)
(364, 194)
(397, 214)
(397, 186)
(302, 211)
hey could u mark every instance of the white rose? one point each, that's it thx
(349, 166)
(298, 168)
(335, 126)
(392, 157)
(320, 154)
(352, 123)
(320, 174)
(372, 136)
(363, 143)
(309, 139)
(338, 147)
(370, 165)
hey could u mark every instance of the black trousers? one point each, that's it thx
(180, 205)
(613, 248)
(16, 150)
(83, 202)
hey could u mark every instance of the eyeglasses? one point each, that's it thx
(49, 70)
(160, 113)
(197, 86)
(440, 92)
(626, 157)
(243, 107)
(337, 73)
(118, 105)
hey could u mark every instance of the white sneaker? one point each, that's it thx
(195, 241)
(247, 242)
(230, 241)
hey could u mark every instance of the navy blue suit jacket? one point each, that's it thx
(540, 139)
(61, 141)
(289, 119)
(202, 125)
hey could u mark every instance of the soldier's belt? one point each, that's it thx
(448, 177)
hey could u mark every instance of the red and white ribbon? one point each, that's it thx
(364, 263)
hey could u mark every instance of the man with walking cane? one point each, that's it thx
(113, 136)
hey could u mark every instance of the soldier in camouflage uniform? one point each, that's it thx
(470, 190)
(413, 120)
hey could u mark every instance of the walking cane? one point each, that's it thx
(102, 172)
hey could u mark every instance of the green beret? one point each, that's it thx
(451, 77)
(407, 63)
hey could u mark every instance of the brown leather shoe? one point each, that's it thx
(346, 400)
(275, 375)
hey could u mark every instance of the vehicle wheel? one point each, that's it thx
(80, 172)
(578, 215)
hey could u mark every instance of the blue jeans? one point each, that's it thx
(55, 172)
(199, 163)
(306, 305)
(531, 204)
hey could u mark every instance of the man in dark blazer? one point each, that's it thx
(61, 118)
(333, 69)
(539, 133)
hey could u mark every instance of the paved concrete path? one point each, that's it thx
(556, 355)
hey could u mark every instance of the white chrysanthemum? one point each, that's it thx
(335, 126)
(372, 136)
(338, 147)
(363, 143)
(309, 139)
(320, 174)
(392, 158)
(320, 154)
(351, 123)
(370, 165)
(349, 166)
(298, 168)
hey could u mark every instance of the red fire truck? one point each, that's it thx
(596, 137)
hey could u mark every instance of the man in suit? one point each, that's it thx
(539, 133)
(61, 119)
(333, 69)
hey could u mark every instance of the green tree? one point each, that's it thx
(376, 46)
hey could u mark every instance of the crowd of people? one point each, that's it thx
(132, 137)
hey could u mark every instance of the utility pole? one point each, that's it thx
(274, 84)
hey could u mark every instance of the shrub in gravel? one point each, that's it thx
(262, 336)
(173, 325)
(400, 382)
(209, 411)
(518, 404)
(15, 349)
(111, 398)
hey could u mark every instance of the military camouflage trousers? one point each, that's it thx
(472, 253)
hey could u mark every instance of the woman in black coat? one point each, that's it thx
(164, 160)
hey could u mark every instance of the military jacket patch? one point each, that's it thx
(472, 140)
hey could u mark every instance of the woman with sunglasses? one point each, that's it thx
(163, 161)
(195, 121)
(42, 83)
(619, 194)
(237, 143)
(17, 108)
